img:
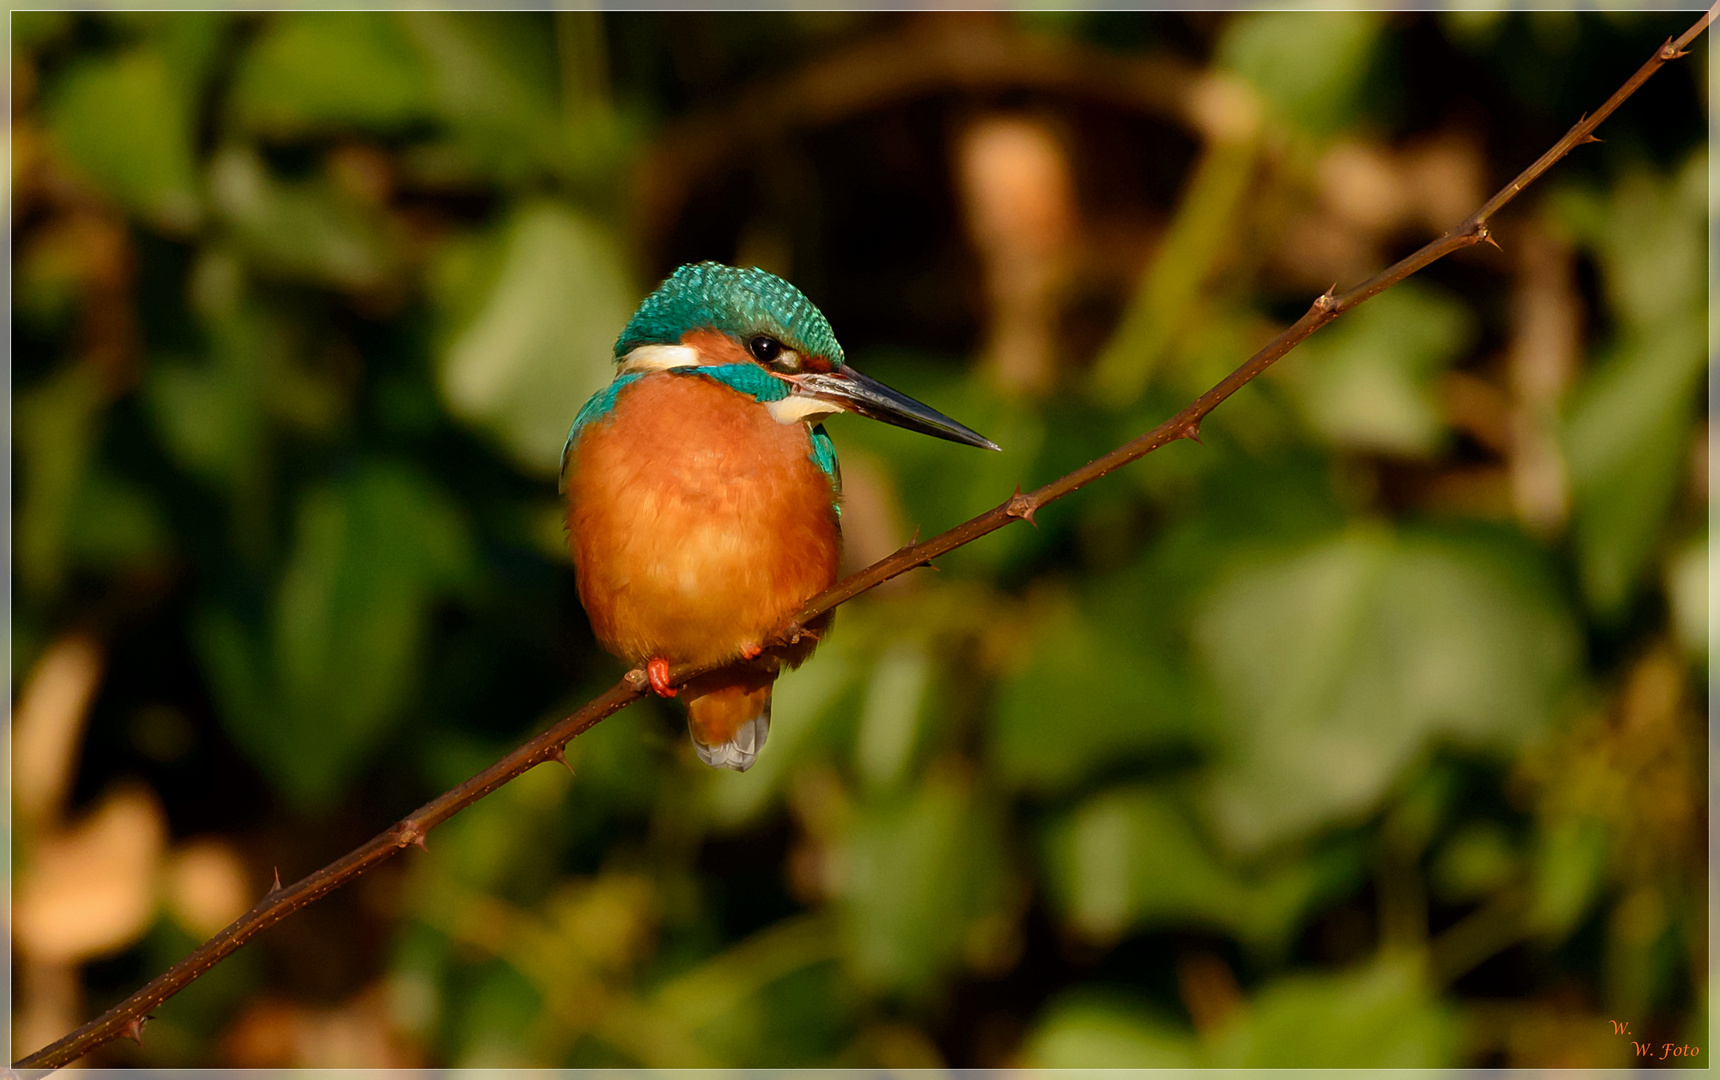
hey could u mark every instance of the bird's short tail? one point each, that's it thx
(728, 715)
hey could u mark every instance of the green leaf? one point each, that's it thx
(1473, 30)
(191, 42)
(1338, 664)
(34, 29)
(1380, 1016)
(1568, 865)
(495, 1031)
(58, 423)
(1632, 420)
(541, 338)
(890, 720)
(494, 81)
(1127, 859)
(311, 229)
(48, 279)
(1368, 382)
(1310, 67)
(1474, 863)
(232, 654)
(126, 121)
(116, 525)
(213, 413)
(1628, 442)
(338, 664)
(1687, 591)
(719, 999)
(1086, 698)
(919, 875)
(209, 415)
(498, 845)
(313, 71)
(1649, 237)
(1087, 1031)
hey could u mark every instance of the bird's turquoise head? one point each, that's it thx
(742, 304)
(756, 332)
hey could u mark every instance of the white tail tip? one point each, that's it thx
(740, 752)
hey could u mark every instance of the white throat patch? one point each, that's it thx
(796, 408)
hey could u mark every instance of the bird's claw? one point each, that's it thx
(657, 673)
(751, 651)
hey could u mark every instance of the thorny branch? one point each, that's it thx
(127, 1018)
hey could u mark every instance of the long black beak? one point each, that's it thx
(856, 393)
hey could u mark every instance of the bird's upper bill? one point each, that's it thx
(849, 391)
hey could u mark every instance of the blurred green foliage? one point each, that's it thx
(1321, 744)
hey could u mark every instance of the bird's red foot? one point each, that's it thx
(657, 672)
(750, 651)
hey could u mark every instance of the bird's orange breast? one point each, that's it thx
(698, 523)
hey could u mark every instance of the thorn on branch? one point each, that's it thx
(558, 751)
(276, 887)
(909, 546)
(133, 1028)
(1192, 432)
(1485, 235)
(407, 835)
(1669, 51)
(1020, 506)
(1327, 300)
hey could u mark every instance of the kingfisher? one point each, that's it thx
(703, 493)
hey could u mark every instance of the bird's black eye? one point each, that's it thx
(765, 348)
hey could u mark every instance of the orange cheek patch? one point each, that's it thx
(715, 347)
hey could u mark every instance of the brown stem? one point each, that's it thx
(125, 1018)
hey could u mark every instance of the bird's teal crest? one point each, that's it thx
(711, 296)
